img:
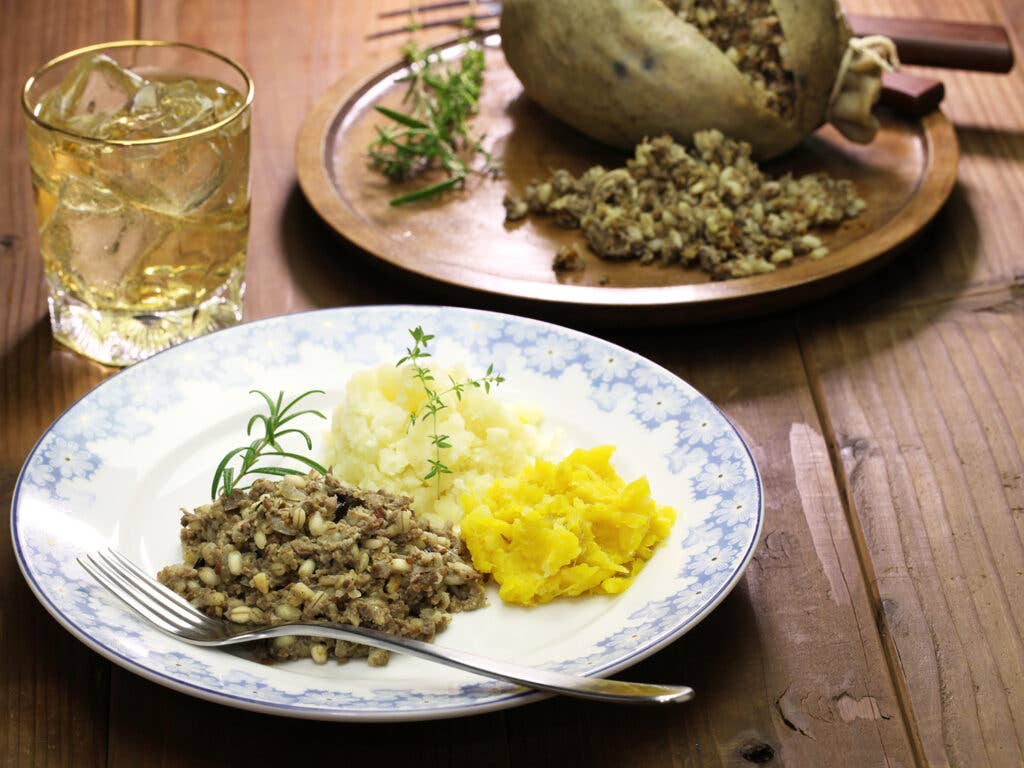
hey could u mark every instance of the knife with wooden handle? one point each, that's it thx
(933, 43)
(945, 44)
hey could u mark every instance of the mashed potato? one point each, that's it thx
(372, 446)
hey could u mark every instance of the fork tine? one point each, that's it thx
(93, 569)
(182, 627)
(452, 22)
(434, 7)
(139, 600)
(162, 590)
(163, 597)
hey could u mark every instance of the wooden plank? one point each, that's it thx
(793, 658)
(789, 667)
(155, 727)
(53, 691)
(1013, 18)
(784, 672)
(787, 674)
(925, 418)
(294, 263)
(293, 53)
(927, 413)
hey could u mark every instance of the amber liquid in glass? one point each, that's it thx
(143, 244)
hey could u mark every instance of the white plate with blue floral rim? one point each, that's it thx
(116, 468)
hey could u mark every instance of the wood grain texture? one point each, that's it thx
(919, 381)
(293, 51)
(789, 666)
(1013, 19)
(941, 43)
(880, 623)
(927, 412)
(153, 727)
(53, 690)
(762, 697)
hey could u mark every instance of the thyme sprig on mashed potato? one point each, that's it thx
(279, 413)
(435, 398)
(373, 443)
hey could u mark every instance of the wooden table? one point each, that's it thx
(880, 621)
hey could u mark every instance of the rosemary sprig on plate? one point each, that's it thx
(434, 130)
(436, 397)
(279, 414)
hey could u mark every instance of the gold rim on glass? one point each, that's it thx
(30, 110)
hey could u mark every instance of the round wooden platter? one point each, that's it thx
(461, 243)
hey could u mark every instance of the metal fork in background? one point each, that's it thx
(478, 11)
(438, 6)
(172, 614)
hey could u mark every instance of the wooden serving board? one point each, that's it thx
(461, 245)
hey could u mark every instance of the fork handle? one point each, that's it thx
(616, 691)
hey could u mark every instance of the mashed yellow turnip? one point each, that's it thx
(570, 528)
(372, 446)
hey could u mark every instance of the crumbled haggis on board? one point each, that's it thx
(569, 258)
(711, 206)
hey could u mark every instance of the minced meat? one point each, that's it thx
(310, 548)
(710, 206)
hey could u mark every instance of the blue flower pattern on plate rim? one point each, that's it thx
(713, 556)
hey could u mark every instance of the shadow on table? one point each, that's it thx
(721, 659)
(939, 264)
(1002, 144)
(944, 262)
(31, 365)
(328, 270)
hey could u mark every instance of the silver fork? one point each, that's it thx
(173, 615)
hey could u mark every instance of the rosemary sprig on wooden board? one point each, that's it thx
(434, 130)
(279, 413)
